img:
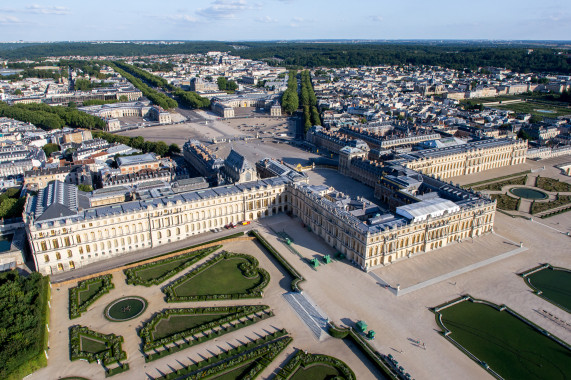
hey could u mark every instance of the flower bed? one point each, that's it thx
(76, 306)
(249, 269)
(111, 355)
(262, 351)
(297, 278)
(186, 259)
(188, 335)
(303, 360)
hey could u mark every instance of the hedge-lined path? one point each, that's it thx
(59, 364)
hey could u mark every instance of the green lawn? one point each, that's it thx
(159, 270)
(177, 323)
(509, 346)
(224, 277)
(91, 290)
(533, 109)
(554, 284)
(315, 372)
(92, 345)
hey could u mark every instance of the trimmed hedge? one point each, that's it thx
(236, 312)
(133, 277)
(302, 359)
(75, 307)
(496, 179)
(297, 278)
(241, 311)
(265, 349)
(116, 370)
(248, 271)
(111, 355)
(380, 361)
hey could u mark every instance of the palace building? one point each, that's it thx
(66, 230)
(444, 162)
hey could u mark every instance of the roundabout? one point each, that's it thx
(528, 193)
(124, 309)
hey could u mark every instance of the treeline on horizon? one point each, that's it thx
(297, 55)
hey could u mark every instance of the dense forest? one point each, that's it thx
(308, 101)
(458, 55)
(188, 98)
(23, 305)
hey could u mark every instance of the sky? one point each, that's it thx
(231, 20)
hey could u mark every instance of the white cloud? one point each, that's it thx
(10, 20)
(51, 10)
(182, 18)
(223, 9)
(266, 19)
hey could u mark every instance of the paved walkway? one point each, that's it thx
(119, 261)
(469, 268)
(308, 313)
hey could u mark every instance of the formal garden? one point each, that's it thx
(552, 185)
(86, 293)
(316, 367)
(244, 362)
(24, 315)
(502, 341)
(226, 276)
(497, 186)
(173, 330)
(505, 202)
(551, 283)
(157, 272)
(92, 346)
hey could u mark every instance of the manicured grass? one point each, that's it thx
(237, 373)
(315, 372)
(86, 293)
(554, 284)
(496, 186)
(91, 290)
(177, 323)
(544, 206)
(511, 347)
(533, 107)
(91, 345)
(550, 184)
(505, 202)
(157, 272)
(224, 277)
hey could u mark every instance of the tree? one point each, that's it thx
(534, 119)
(123, 98)
(173, 149)
(523, 135)
(231, 86)
(18, 92)
(50, 148)
(222, 83)
(161, 148)
(86, 188)
(72, 104)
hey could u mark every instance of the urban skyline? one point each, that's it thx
(284, 20)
